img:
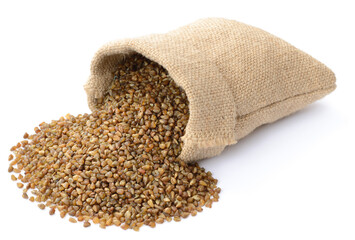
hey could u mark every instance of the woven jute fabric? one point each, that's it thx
(236, 77)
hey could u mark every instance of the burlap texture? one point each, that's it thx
(236, 77)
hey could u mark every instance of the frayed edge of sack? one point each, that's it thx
(208, 143)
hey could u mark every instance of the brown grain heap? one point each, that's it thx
(118, 165)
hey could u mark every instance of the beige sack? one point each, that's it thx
(236, 77)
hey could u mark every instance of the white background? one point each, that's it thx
(293, 179)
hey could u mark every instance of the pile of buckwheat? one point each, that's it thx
(118, 165)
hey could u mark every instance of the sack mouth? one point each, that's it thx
(197, 135)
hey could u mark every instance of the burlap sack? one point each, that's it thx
(236, 77)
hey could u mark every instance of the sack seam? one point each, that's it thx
(285, 99)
